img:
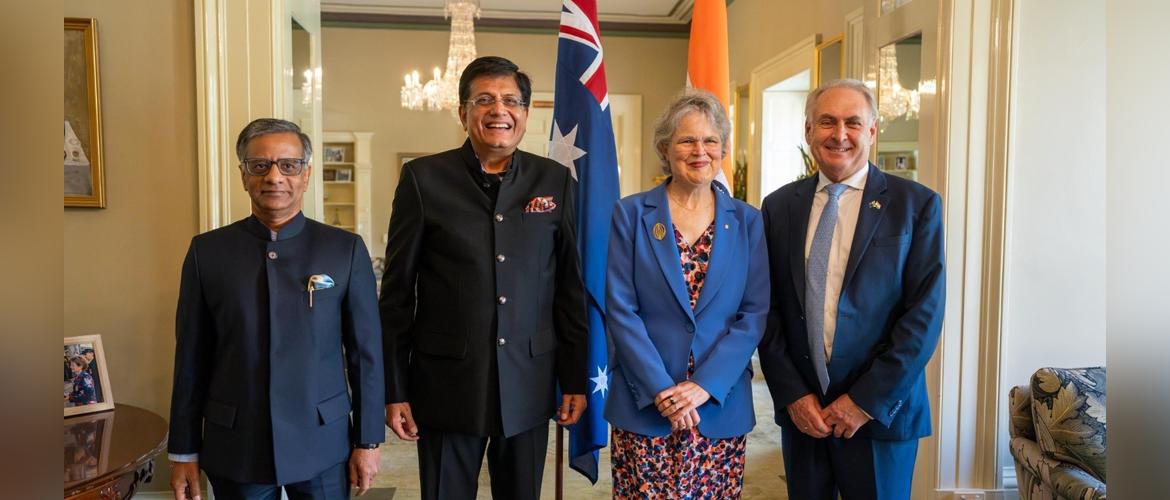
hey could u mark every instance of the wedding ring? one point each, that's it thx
(672, 403)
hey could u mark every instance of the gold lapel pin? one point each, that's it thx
(875, 204)
(659, 231)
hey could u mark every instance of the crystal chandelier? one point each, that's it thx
(894, 101)
(442, 91)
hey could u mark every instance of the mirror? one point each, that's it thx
(305, 80)
(830, 61)
(898, 92)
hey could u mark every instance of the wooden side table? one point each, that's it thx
(109, 454)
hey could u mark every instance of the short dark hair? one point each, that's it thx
(493, 66)
(265, 126)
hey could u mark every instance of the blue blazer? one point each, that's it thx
(889, 315)
(653, 330)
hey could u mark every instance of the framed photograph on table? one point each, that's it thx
(344, 175)
(86, 385)
(84, 175)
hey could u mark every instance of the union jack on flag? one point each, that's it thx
(582, 140)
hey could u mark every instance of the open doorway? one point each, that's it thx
(782, 132)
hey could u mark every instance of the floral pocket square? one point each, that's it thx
(318, 282)
(539, 205)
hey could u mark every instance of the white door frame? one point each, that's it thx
(243, 72)
(797, 58)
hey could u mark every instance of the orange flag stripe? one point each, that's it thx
(707, 66)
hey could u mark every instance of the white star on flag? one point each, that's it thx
(563, 149)
(601, 380)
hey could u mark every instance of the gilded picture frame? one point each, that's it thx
(84, 167)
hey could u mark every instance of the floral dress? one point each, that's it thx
(684, 464)
(83, 390)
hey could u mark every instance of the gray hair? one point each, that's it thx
(843, 83)
(689, 100)
(265, 126)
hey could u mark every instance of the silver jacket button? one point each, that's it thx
(502, 299)
(502, 341)
(499, 218)
(272, 255)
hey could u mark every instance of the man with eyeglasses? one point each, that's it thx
(275, 313)
(483, 310)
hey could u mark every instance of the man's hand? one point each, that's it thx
(572, 405)
(363, 466)
(678, 401)
(806, 414)
(399, 419)
(845, 417)
(185, 480)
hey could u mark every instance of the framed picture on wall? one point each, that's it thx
(403, 158)
(86, 385)
(84, 177)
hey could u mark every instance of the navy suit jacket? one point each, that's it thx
(889, 314)
(654, 331)
(260, 388)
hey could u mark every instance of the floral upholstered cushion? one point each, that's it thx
(1042, 478)
(1068, 407)
(1020, 406)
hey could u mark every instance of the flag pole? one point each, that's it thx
(560, 493)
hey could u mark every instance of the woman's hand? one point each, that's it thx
(676, 402)
(685, 421)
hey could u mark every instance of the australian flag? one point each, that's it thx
(582, 140)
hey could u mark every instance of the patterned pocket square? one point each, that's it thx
(318, 282)
(539, 205)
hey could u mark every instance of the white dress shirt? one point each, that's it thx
(848, 208)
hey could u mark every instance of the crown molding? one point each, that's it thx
(680, 14)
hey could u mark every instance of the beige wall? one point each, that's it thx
(122, 262)
(758, 30)
(362, 71)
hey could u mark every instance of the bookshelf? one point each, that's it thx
(345, 182)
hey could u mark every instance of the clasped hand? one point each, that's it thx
(842, 418)
(680, 403)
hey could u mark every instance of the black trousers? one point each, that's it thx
(333, 484)
(857, 468)
(449, 464)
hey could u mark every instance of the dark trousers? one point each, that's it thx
(858, 468)
(333, 484)
(449, 464)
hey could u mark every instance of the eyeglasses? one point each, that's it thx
(486, 102)
(714, 147)
(287, 166)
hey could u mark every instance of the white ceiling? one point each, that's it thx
(633, 11)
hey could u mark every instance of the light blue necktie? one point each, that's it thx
(816, 273)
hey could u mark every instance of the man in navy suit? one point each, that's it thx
(277, 339)
(857, 303)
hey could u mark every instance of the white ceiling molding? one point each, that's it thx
(677, 13)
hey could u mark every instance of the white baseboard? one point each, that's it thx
(977, 494)
(154, 495)
(1009, 477)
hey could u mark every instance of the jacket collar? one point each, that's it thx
(472, 160)
(259, 230)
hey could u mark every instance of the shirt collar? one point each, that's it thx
(855, 181)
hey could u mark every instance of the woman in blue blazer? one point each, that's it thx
(686, 300)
